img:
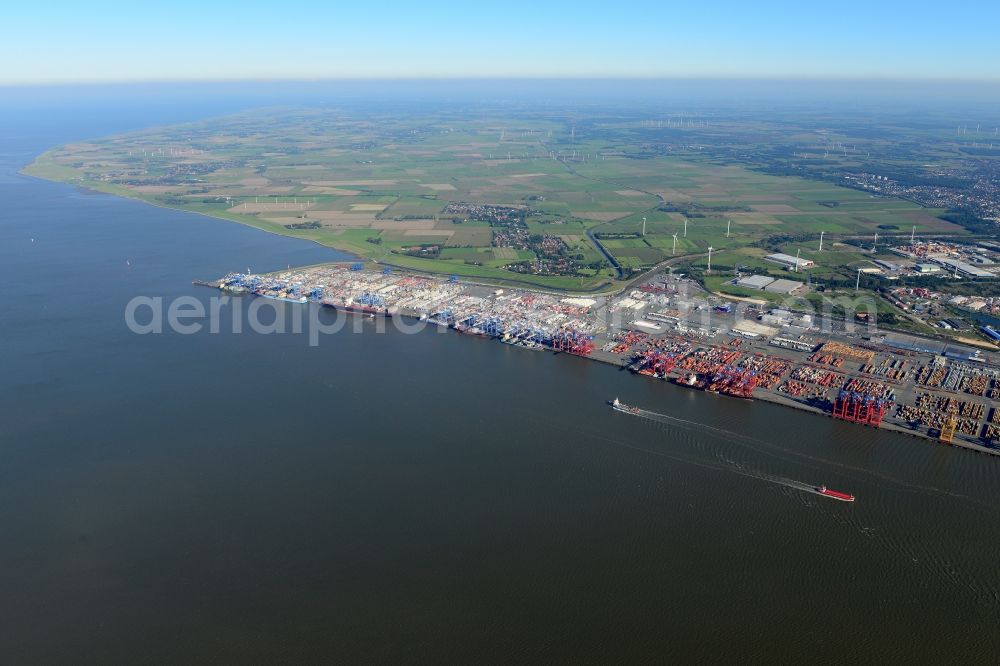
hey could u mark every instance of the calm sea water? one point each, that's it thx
(431, 497)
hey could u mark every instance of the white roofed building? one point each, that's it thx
(789, 261)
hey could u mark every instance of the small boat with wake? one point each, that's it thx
(620, 406)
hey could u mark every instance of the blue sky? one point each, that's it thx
(54, 42)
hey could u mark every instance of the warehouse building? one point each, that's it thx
(754, 281)
(789, 261)
(887, 265)
(962, 268)
(786, 287)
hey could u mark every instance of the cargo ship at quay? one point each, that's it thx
(670, 329)
(356, 308)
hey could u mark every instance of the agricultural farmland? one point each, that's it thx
(522, 197)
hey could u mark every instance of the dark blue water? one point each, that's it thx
(434, 498)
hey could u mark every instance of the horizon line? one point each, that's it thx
(509, 78)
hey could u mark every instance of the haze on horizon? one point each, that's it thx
(101, 42)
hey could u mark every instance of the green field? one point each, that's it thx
(379, 187)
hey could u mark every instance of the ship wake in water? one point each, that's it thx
(733, 466)
(786, 454)
(716, 452)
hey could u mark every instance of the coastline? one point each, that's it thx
(602, 288)
(772, 397)
(766, 395)
(776, 398)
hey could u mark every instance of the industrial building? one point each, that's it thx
(887, 265)
(784, 287)
(789, 261)
(776, 318)
(751, 329)
(754, 281)
(791, 343)
(927, 346)
(962, 268)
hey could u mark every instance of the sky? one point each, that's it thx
(98, 41)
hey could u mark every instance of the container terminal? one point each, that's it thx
(667, 328)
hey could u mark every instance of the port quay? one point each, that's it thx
(665, 328)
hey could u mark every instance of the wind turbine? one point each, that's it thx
(821, 240)
(674, 251)
(729, 223)
(710, 248)
(797, 260)
(685, 227)
(857, 285)
(643, 226)
(875, 243)
(912, 232)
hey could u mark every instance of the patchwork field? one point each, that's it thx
(380, 186)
